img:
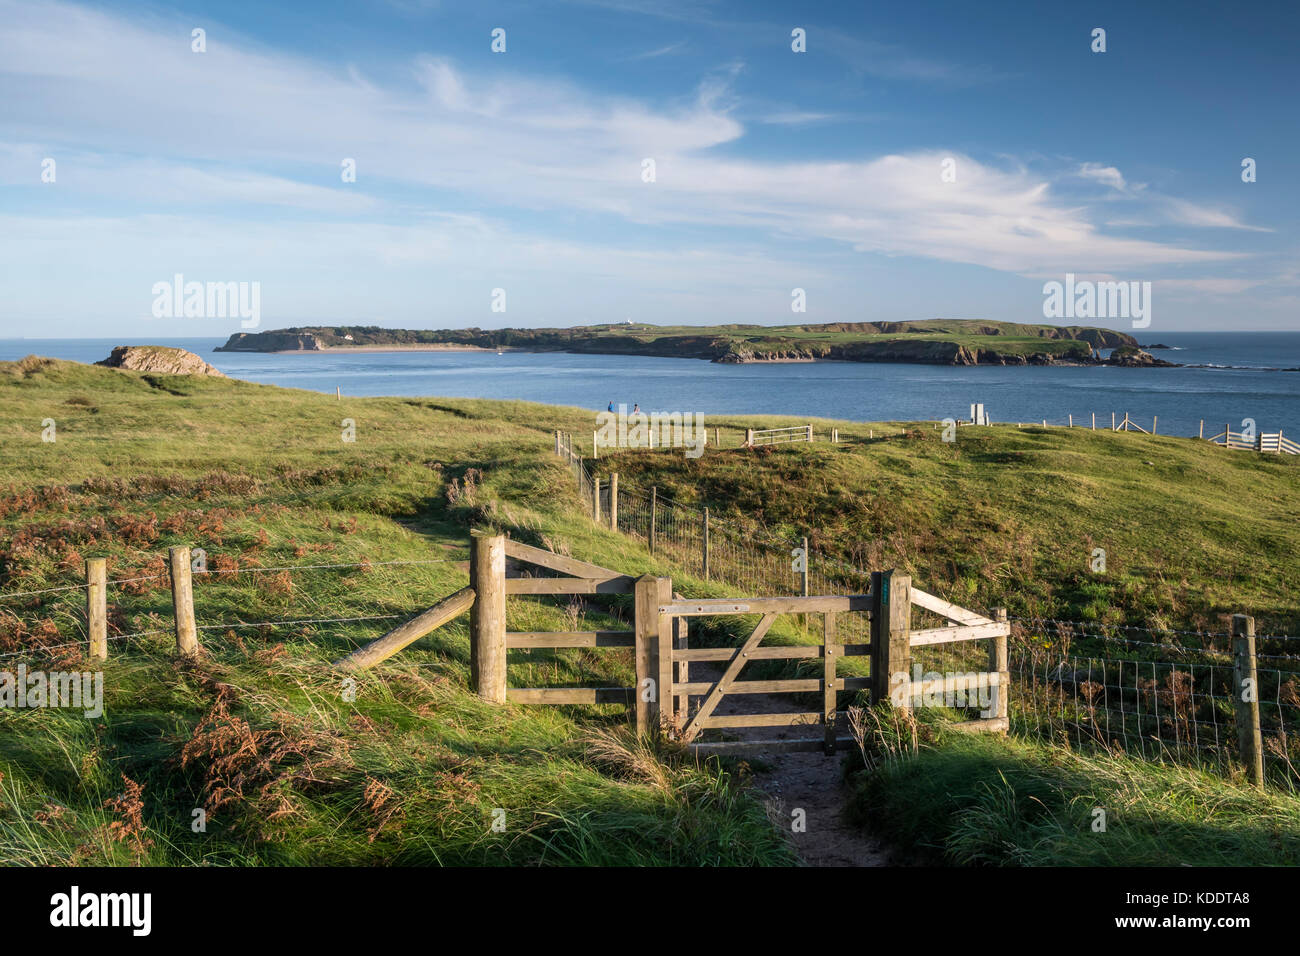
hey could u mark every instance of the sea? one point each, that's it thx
(1227, 378)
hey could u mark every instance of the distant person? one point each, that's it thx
(636, 409)
(611, 407)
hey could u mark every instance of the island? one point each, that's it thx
(933, 342)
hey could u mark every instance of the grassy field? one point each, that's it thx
(258, 732)
(1008, 516)
(979, 800)
(264, 737)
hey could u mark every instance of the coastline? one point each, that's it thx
(370, 348)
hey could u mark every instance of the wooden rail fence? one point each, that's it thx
(664, 693)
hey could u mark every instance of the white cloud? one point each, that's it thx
(220, 122)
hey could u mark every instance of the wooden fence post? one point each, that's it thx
(665, 635)
(1000, 664)
(891, 637)
(749, 437)
(1112, 421)
(1201, 432)
(1071, 425)
(1094, 421)
(97, 607)
(1245, 681)
(704, 543)
(1154, 419)
(595, 447)
(595, 499)
(647, 692)
(654, 515)
(487, 619)
(810, 438)
(613, 501)
(557, 443)
(187, 635)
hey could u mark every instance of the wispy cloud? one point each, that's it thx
(244, 125)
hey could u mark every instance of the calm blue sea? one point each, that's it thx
(1246, 381)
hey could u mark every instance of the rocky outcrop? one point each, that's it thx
(272, 342)
(1129, 356)
(158, 358)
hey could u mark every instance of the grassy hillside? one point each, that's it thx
(1010, 516)
(261, 734)
(984, 800)
(259, 731)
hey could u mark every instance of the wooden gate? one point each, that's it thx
(664, 695)
(688, 725)
(889, 606)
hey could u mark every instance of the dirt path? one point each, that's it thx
(800, 781)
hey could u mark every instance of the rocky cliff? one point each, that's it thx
(272, 342)
(158, 358)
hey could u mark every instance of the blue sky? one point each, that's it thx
(522, 170)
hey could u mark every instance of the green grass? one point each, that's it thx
(1009, 516)
(986, 800)
(260, 731)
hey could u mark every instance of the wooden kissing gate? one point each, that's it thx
(666, 696)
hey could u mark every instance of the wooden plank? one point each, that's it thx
(773, 653)
(664, 656)
(789, 685)
(832, 654)
(620, 585)
(557, 562)
(995, 725)
(811, 718)
(819, 604)
(968, 632)
(570, 639)
(406, 634)
(977, 680)
(738, 661)
(569, 695)
(946, 610)
(681, 673)
(737, 747)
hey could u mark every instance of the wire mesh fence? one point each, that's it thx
(1158, 693)
(1119, 689)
